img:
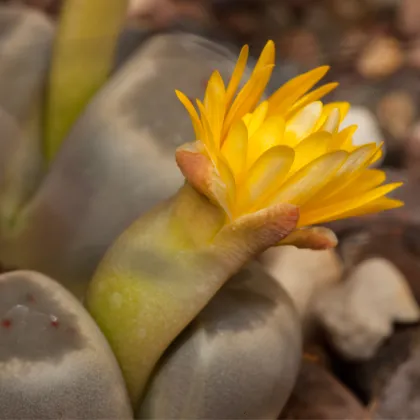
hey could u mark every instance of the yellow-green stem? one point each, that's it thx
(82, 59)
(165, 268)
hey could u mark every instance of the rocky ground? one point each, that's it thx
(360, 303)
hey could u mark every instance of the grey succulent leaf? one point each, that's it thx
(239, 358)
(54, 361)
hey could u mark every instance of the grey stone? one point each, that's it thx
(239, 359)
(54, 361)
(319, 395)
(359, 313)
(302, 273)
(400, 397)
(368, 130)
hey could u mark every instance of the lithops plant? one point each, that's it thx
(25, 45)
(54, 361)
(259, 174)
(238, 359)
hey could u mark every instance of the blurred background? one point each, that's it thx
(373, 47)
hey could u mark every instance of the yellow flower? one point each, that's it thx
(251, 154)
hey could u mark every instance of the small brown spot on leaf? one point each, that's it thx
(6, 323)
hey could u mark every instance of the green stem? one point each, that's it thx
(165, 268)
(82, 59)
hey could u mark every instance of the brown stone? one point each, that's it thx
(400, 397)
(302, 47)
(394, 240)
(352, 43)
(396, 112)
(349, 10)
(382, 57)
(412, 151)
(371, 379)
(281, 15)
(318, 395)
(409, 17)
(315, 352)
(379, 5)
(413, 54)
(156, 13)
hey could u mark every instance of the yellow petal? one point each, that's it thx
(358, 160)
(193, 114)
(337, 209)
(237, 74)
(221, 195)
(270, 134)
(227, 176)
(332, 122)
(311, 97)
(215, 87)
(251, 93)
(343, 107)
(207, 137)
(380, 204)
(265, 176)
(290, 92)
(235, 148)
(214, 102)
(289, 139)
(247, 119)
(364, 181)
(267, 57)
(307, 181)
(257, 118)
(304, 121)
(342, 137)
(311, 148)
(248, 97)
(377, 155)
(223, 187)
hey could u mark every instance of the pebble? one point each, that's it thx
(395, 238)
(351, 44)
(413, 54)
(319, 395)
(54, 360)
(239, 359)
(396, 112)
(413, 150)
(140, 7)
(378, 5)
(371, 377)
(358, 314)
(349, 10)
(302, 272)
(400, 398)
(409, 17)
(302, 47)
(381, 57)
(368, 130)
